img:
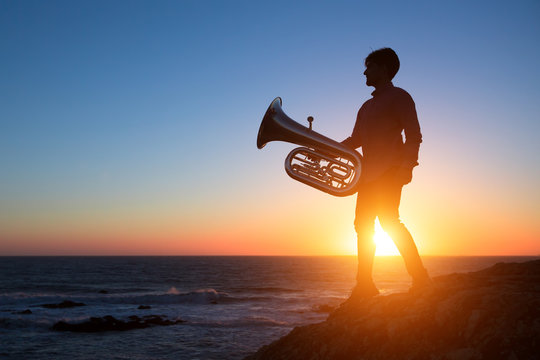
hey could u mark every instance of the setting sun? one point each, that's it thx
(385, 245)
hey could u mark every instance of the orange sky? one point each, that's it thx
(288, 219)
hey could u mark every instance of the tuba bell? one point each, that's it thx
(320, 162)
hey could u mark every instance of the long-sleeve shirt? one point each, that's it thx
(378, 130)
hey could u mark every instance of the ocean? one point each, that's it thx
(230, 305)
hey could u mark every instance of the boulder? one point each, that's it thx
(64, 304)
(24, 312)
(110, 323)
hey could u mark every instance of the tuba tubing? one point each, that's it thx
(321, 162)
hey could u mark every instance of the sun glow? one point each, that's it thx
(385, 245)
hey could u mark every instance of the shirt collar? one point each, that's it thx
(382, 89)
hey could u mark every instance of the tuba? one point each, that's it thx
(321, 162)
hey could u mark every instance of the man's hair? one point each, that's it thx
(386, 57)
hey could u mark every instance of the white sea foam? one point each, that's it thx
(173, 291)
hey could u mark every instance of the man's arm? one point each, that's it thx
(413, 137)
(355, 140)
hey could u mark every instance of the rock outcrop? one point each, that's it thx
(489, 314)
(110, 323)
(63, 305)
(24, 312)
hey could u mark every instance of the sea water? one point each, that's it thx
(231, 305)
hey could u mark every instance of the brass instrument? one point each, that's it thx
(321, 162)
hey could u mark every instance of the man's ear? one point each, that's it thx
(385, 69)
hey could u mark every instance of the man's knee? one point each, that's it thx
(390, 224)
(364, 227)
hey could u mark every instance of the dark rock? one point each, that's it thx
(157, 320)
(110, 323)
(144, 307)
(103, 291)
(325, 308)
(64, 304)
(489, 314)
(24, 312)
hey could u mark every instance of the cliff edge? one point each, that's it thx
(489, 314)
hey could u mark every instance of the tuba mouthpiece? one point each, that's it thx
(310, 121)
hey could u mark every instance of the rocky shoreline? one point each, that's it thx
(110, 323)
(489, 314)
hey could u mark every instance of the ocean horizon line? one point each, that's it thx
(241, 255)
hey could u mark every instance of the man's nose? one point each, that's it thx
(365, 72)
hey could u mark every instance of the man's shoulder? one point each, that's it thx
(401, 94)
(365, 104)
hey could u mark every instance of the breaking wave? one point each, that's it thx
(171, 296)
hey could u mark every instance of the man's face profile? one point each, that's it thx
(375, 74)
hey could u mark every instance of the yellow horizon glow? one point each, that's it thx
(383, 242)
(258, 223)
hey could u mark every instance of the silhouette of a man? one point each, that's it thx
(388, 161)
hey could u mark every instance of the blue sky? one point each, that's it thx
(140, 107)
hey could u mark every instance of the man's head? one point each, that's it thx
(381, 66)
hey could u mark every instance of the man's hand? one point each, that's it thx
(404, 175)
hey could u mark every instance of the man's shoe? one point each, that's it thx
(421, 285)
(364, 290)
(359, 293)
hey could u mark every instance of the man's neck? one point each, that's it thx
(380, 88)
(383, 84)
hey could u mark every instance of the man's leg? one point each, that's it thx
(364, 223)
(388, 211)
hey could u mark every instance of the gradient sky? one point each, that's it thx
(129, 127)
